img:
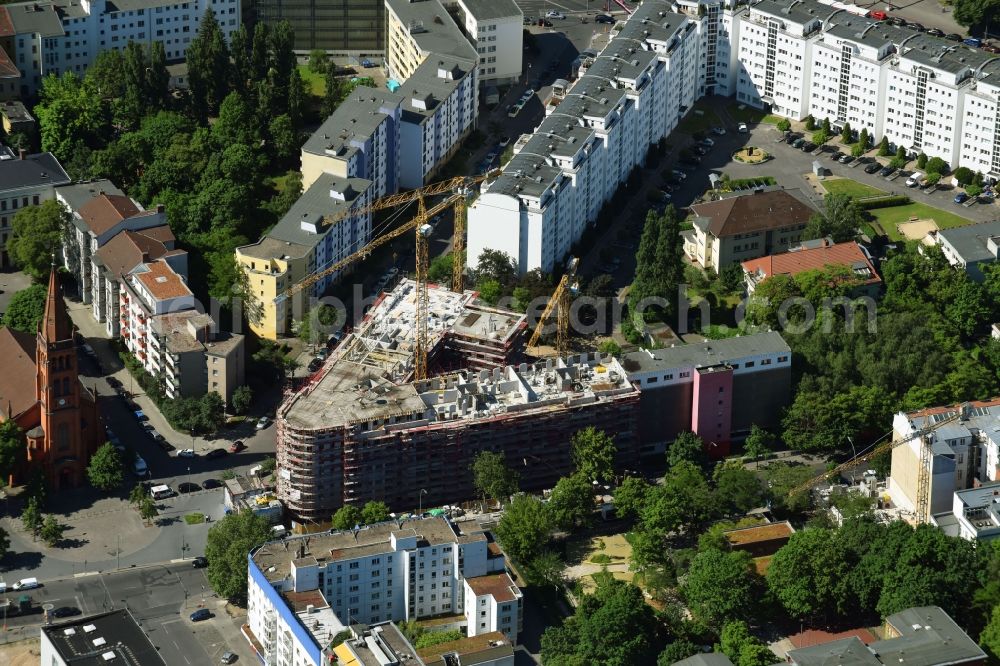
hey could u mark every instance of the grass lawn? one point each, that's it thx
(315, 82)
(693, 122)
(851, 188)
(890, 217)
(194, 518)
(771, 119)
(748, 114)
(278, 183)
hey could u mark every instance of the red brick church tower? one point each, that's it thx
(66, 430)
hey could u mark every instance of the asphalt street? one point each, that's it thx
(160, 598)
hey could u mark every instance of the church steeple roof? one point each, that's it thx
(56, 325)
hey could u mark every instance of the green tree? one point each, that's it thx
(12, 449)
(738, 489)
(235, 124)
(105, 471)
(524, 528)
(242, 399)
(743, 648)
(758, 443)
(157, 78)
(921, 161)
(212, 412)
(336, 90)
(147, 509)
(687, 447)
(71, 115)
(318, 61)
(347, 517)
(883, 147)
(137, 494)
(208, 67)
(783, 125)
(973, 190)
(825, 126)
(572, 502)
(936, 165)
(594, 454)
(846, 135)
(630, 496)
(374, 512)
(610, 348)
(864, 139)
(36, 234)
(840, 218)
(284, 139)
(809, 576)
(492, 477)
(975, 14)
(782, 478)
(4, 542)
(810, 123)
(683, 500)
(676, 651)
(721, 585)
(51, 531)
(990, 638)
(963, 175)
(31, 517)
(229, 541)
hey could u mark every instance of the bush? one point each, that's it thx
(883, 147)
(963, 175)
(897, 162)
(937, 165)
(883, 202)
(784, 125)
(317, 61)
(810, 123)
(921, 161)
(974, 190)
(820, 137)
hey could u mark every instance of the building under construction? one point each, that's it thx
(362, 429)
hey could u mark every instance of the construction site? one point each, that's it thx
(364, 428)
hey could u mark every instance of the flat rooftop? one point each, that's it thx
(109, 638)
(756, 533)
(432, 28)
(275, 558)
(483, 648)
(499, 586)
(485, 10)
(710, 352)
(376, 645)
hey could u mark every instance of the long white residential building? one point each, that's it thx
(793, 57)
(56, 36)
(303, 591)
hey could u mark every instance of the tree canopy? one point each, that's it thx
(594, 454)
(229, 541)
(524, 528)
(492, 478)
(36, 234)
(105, 470)
(26, 309)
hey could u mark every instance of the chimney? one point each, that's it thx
(21, 153)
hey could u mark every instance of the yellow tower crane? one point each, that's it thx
(924, 464)
(458, 189)
(559, 301)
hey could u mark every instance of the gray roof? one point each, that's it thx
(426, 84)
(432, 28)
(131, 5)
(844, 652)
(15, 111)
(969, 242)
(315, 203)
(711, 352)
(928, 637)
(77, 194)
(35, 18)
(33, 171)
(710, 659)
(74, 640)
(355, 120)
(485, 10)
(797, 11)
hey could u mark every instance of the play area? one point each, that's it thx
(916, 229)
(591, 556)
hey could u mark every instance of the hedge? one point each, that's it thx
(883, 202)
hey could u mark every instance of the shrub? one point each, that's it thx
(921, 161)
(784, 125)
(810, 123)
(883, 202)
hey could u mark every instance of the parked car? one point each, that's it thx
(544, 23)
(366, 63)
(719, 131)
(209, 484)
(514, 109)
(140, 415)
(808, 147)
(157, 437)
(707, 142)
(896, 21)
(66, 611)
(237, 446)
(680, 175)
(315, 365)
(961, 198)
(553, 14)
(873, 167)
(187, 487)
(216, 453)
(836, 155)
(199, 563)
(528, 21)
(953, 37)
(263, 422)
(89, 351)
(973, 42)
(693, 160)
(604, 18)
(227, 657)
(165, 445)
(700, 150)
(846, 159)
(201, 614)
(886, 171)
(912, 25)
(743, 129)
(504, 140)
(915, 179)
(26, 584)
(186, 453)
(798, 143)
(935, 32)
(792, 137)
(877, 15)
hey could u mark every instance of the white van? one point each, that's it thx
(279, 531)
(160, 492)
(26, 584)
(916, 178)
(139, 466)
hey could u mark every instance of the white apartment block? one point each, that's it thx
(25, 180)
(150, 290)
(56, 36)
(496, 30)
(304, 590)
(421, 29)
(627, 98)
